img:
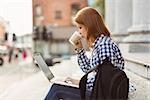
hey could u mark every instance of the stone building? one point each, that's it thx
(57, 16)
(56, 12)
(2, 28)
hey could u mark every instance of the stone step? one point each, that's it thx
(37, 86)
(137, 62)
(138, 67)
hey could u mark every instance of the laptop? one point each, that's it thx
(48, 73)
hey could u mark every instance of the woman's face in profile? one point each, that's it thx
(82, 29)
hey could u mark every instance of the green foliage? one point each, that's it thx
(100, 6)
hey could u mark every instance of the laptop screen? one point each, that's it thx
(43, 66)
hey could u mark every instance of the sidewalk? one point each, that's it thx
(142, 86)
(37, 86)
(15, 72)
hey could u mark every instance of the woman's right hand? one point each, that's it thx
(79, 44)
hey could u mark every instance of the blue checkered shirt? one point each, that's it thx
(102, 47)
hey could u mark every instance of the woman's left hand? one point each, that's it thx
(72, 81)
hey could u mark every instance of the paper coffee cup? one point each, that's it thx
(75, 37)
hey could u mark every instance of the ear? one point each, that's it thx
(86, 28)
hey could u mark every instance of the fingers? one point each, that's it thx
(68, 80)
(78, 44)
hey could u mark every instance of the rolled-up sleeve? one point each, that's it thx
(83, 60)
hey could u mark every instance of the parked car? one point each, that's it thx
(50, 60)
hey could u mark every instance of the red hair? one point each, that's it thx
(93, 21)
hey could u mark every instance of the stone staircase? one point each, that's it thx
(138, 67)
(37, 86)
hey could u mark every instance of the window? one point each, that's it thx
(58, 15)
(38, 10)
(75, 8)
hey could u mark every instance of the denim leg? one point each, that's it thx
(51, 94)
(58, 91)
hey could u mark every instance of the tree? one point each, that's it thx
(100, 6)
(44, 34)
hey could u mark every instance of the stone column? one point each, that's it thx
(148, 15)
(118, 15)
(123, 16)
(110, 14)
(139, 38)
(141, 16)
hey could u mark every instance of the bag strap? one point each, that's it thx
(82, 84)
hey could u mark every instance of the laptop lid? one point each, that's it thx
(43, 66)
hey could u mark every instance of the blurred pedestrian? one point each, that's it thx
(24, 54)
(10, 54)
(16, 52)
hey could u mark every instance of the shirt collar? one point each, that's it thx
(95, 44)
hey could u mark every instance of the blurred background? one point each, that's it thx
(30, 26)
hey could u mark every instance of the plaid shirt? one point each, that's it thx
(102, 47)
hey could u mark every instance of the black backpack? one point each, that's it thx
(111, 83)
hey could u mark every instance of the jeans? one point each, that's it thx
(62, 92)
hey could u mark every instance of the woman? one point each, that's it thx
(92, 28)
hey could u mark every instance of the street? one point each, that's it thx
(26, 82)
(13, 72)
